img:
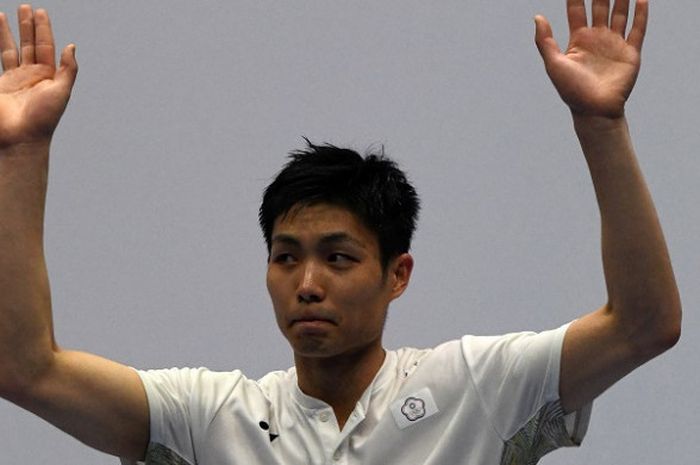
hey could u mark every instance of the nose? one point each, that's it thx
(310, 288)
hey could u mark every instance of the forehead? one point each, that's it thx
(316, 221)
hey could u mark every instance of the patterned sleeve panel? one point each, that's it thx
(517, 378)
(546, 431)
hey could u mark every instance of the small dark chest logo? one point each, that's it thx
(413, 409)
(265, 426)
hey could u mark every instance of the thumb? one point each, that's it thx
(68, 67)
(544, 39)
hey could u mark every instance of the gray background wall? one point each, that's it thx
(184, 110)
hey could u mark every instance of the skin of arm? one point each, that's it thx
(642, 317)
(101, 403)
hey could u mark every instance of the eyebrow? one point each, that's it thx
(326, 239)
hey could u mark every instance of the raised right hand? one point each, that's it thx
(33, 92)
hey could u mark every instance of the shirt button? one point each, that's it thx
(337, 455)
(324, 416)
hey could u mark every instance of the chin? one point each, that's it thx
(311, 347)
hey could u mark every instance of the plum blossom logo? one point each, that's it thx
(413, 409)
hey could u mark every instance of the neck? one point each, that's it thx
(339, 381)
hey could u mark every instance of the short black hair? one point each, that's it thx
(371, 187)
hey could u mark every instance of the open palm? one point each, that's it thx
(33, 92)
(598, 70)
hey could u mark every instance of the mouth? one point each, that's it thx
(312, 320)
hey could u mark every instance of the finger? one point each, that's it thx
(44, 46)
(639, 25)
(26, 34)
(8, 49)
(576, 12)
(600, 12)
(68, 67)
(544, 39)
(618, 21)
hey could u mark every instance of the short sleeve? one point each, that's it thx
(182, 402)
(517, 378)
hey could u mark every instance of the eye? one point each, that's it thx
(283, 258)
(340, 258)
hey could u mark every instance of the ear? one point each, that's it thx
(399, 271)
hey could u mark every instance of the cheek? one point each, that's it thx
(276, 281)
(269, 282)
(275, 289)
(364, 299)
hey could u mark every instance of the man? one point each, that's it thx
(338, 229)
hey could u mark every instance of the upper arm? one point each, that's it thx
(101, 403)
(598, 350)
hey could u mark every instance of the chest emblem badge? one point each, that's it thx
(413, 408)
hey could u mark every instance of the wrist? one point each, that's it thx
(598, 126)
(34, 149)
(606, 143)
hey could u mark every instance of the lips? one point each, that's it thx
(312, 317)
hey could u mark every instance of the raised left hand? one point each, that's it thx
(596, 73)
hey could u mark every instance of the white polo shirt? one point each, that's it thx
(476, 400)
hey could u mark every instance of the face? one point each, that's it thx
(326, 282)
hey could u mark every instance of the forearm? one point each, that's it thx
(26, 333)
(642, 293)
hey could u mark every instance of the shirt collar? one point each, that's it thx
(384, 375)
